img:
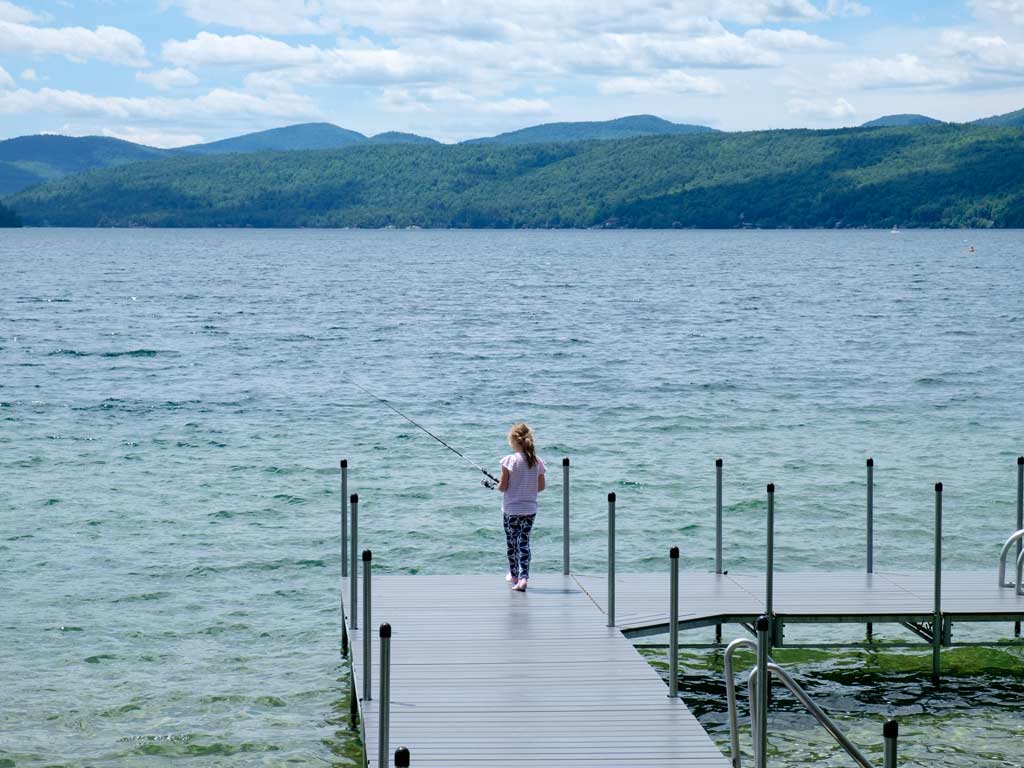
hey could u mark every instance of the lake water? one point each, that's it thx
(174, 405)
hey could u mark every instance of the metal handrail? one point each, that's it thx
(824, 720)
(730, 689)
(1002, 561)
(730, 694)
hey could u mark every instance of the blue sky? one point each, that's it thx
(172, 72)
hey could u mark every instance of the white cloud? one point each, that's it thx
(366, 67)
(672, 81)
(109, 44)
(494, 19)
(722, 50)
(787, 39)
(426, 99)
(515, 107)
(277, 17)
(847, 8)
(11, 12)
(207, 49)
(759, 11)
(637, 54)
(29, 75)
(999, 11)
(218, 104)
(503, 45)
(821, 108)
(989, 53)
(153, 137)
(903, 71)
(166, 79)
(279, 66)
(423, 99)
(6, 81)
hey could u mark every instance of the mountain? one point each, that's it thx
(890, 121)
(622, 128)
(397, 137)
(290, 137)
(29, 160)
(1010, 119)
(922, 176)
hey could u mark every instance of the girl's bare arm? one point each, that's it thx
(503, 483)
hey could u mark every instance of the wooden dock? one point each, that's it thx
(482, 675)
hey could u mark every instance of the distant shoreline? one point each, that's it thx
(887, 230)
(930, 177)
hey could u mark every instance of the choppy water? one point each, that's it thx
(174, 404)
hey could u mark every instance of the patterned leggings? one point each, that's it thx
(517, 540)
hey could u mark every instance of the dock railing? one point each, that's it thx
(1015, 537)
(758, 681)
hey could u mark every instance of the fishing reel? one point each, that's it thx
(490, 485)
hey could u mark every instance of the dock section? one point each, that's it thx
(706, 599)
(483, 675)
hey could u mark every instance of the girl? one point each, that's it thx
(522, 478)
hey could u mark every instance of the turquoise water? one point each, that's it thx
(174, 405)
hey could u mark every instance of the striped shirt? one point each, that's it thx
(520, 498)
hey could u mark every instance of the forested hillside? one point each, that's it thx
(930, 176)
(9, 218)
(29, 160)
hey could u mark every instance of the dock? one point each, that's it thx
(483, 675)
(463, 670)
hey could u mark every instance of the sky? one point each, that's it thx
(174, 72)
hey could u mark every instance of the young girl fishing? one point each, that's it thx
(522, 478)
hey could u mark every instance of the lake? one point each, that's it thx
(174, 405)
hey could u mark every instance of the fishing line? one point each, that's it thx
(420, 426)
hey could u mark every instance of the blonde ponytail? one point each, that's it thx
(523, 437)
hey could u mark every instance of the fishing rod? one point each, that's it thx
(416, 424)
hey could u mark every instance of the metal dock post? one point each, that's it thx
(770, 558)
(344, 553)
(565, 516)
(718, 516)
(871, 527)
(890, 732)
(760, 716)
(673, 623)
(367, 634)
(353, 582)
(937, 620)
(344, 518)
(401, 758)
(871, 515)
(384, 721)
(611, 559)
(718, 532)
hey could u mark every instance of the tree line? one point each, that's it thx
(929, 176)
